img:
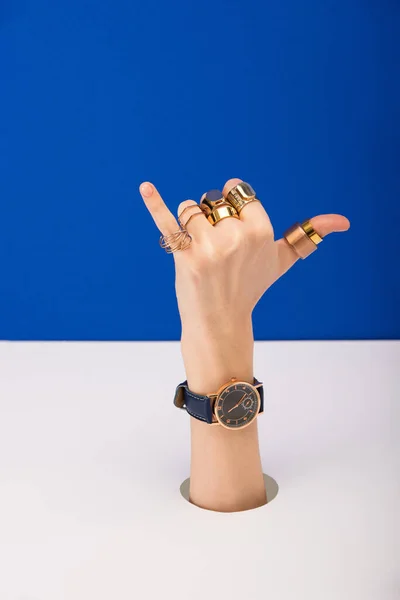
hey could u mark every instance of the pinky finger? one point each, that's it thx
(156, 206)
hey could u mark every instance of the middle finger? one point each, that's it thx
(253, 212)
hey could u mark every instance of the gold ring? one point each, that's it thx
(174, 242)
(240, 195)
(199, 212)
(221, 212)
(216, 208)
(303, 238)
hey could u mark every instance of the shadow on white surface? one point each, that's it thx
(271, 488)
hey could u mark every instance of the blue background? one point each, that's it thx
(299, 98)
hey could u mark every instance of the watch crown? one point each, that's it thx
(234, 379)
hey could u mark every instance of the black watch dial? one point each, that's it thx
(237, 405)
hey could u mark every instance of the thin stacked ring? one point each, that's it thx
(174, 242)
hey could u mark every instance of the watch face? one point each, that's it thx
(237, 405)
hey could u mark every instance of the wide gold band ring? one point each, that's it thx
(222, 212)
(303, 239)
(216, 208)
(241, 195)
(174, 242)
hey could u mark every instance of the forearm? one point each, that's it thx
(223, 267)
(226, 472)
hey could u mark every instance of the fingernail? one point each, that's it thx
(146, 189)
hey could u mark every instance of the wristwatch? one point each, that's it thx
(235, 405)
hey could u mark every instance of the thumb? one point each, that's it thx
(323, 225)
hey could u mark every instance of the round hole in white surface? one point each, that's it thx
(271, 488)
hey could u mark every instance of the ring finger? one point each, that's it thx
(192, 218)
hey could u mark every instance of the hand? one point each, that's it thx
(227, 268)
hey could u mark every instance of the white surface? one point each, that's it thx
(91, 463)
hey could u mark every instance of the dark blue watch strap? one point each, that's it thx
(200, 406)
(196, 405)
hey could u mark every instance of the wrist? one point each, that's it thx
(214, 352)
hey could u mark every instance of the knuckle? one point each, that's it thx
(185, 204)
(236, 240)
(230, 184)
(205, 253)
(209, 255)
(263, 230)
(213, 252)
(205, 260)
(231, 244)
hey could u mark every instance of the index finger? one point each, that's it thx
(162, 216)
